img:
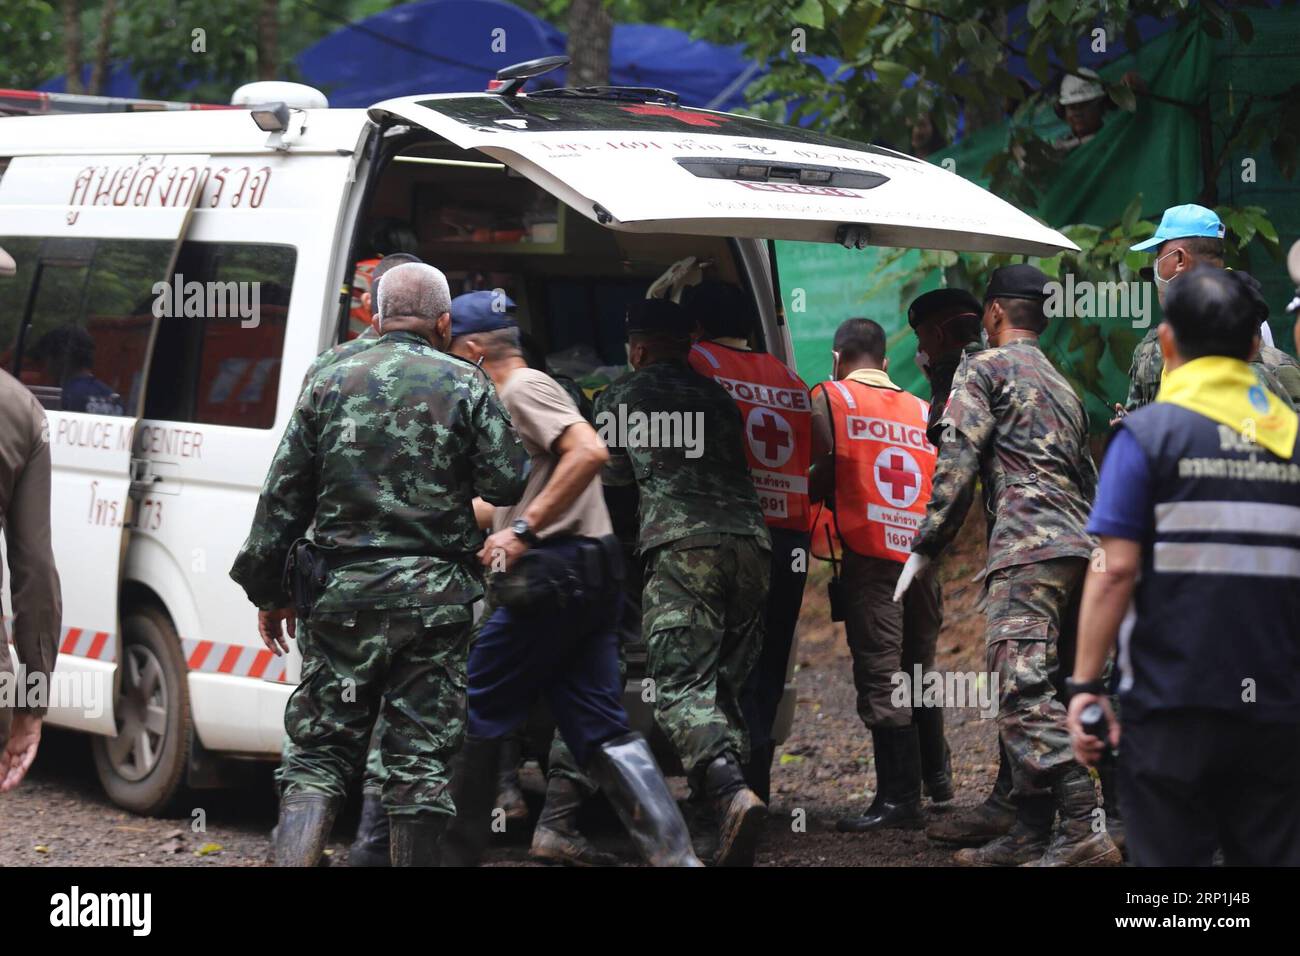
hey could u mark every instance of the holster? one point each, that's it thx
(544, 581)
(305, 573)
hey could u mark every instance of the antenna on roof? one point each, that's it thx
(510, 79)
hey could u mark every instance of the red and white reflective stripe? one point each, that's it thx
(236, 660)
(79, 642)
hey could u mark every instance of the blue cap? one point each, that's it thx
(479, 312)
(1183, 222)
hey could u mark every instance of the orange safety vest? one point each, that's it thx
(884, 465)
(777, 410)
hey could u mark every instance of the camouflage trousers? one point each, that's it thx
(1027, 606)
(703, 609)
(373, 775)
(409, 666)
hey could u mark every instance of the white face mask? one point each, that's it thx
(922, 361)
(1155, 272)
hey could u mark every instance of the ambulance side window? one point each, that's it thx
(220, 343)
(88, 309)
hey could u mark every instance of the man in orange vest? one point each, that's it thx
(777, 409)
(873, 464)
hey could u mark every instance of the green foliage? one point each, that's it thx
(29, 39)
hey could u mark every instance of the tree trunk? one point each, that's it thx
(72, 45)
(268, 40)
(590, 30)
(103, 43)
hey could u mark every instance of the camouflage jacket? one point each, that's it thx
(1276, 370)
(679, 437)
(1014, 422)
(339, 352)
(386, 449)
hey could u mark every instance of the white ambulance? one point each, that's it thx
(166, 399)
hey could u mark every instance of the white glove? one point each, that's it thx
(916, 563)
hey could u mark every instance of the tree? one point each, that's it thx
(591, 29)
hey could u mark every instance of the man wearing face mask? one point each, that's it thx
(1188, 236)
(1014, 423)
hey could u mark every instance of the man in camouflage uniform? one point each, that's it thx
(1016, 424)
(705, 549)
(384, 454)
(370, 847)
(1189, 236)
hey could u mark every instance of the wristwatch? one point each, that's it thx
(524, 532)
(1095, 686)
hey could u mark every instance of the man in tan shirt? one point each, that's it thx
(34, 585)
(555, 595)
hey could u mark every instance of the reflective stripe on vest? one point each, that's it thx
(884, 465)
(777, 410)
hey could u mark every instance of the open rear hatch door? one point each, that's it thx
(651, 166)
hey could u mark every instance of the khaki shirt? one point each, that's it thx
(25, 514)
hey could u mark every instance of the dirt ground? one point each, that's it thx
(60, 817)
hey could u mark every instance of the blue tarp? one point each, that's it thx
(456, 46)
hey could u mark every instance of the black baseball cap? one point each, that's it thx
(661, 316)
(941, 300)
(1017, 282)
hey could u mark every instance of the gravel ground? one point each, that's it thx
(60, 817)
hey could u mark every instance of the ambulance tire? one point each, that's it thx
(144, 770)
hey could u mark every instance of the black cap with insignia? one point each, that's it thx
(940, 301)
(659, 317)
(1017, 282)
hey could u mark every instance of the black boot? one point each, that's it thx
(758, 771)
(989, 820)
(473, 790)
(740, 813)
(1081, 839)
(416, 839)
(509, 797)
(306, 819)
(936, 758)
(898, 784)
(370, 847)
(556, 838)
(632, 782)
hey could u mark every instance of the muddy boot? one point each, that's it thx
(988, 821)
(370, 847)
(306, 819)
(473, 790)
(556, 838)
(1024, 842)
(509, 797)
(1077, 843)
(739, 811)
(898, 784)
(936, 758)
(635, 787)
(416, 838)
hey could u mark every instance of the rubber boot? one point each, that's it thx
(1026, 841)
(988, 821)
(739, 811)
(416, 839)
(936, 758)
(898, 784)
(509, 797)
(1080, 840)
(303, 829)
(556, 838)
(632, 782)
(473, 790)
(758, 771)
(370, 847)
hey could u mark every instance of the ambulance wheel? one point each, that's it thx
(142, 769)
